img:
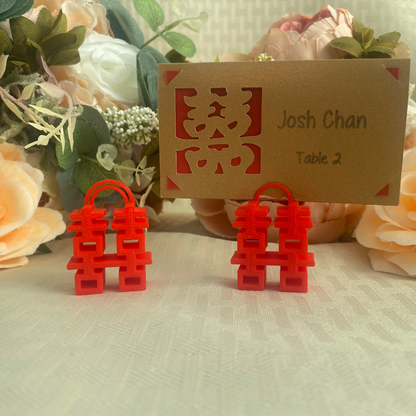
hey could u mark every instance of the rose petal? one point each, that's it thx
(208, 207)
(53, 219)
(366, 233)
(399, 213)
(12, 152)
(218, 225)
(390, 233)
(380, 264)
(15, 262)
(39, 233)
(404, 260)
(19, 206)
(17, 239)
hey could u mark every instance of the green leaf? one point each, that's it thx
(156, 187)
(106, 154)
(160, 59)
(3, 64)
(203, 17)
(6, 5)
(59, 26)
(115, 6)
(57, 43)
(177, 8)
(150, 148)
(89, 173)
(84, 138)
(180, 43)
(45, 21)
(48, 158)
(366, 37)
(153, 161)
(79, 32)
(93, 119)
(347, 44)
(23, 28)
(66, 159)
(66, 57)
(392, 37)
(357, 25)
(71, 196)
(44, 249)
(151, 12)
(175, 57)
(6, 44)
(17, 8)
(382, 49)
(126, 175)
(192, 25)
(147, 77)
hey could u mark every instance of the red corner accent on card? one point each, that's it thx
(395, 72)
(172, 185)
(384, 191)
(170, 75)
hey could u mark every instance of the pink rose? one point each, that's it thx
(331, 221)
(296, 37)
(390, 232)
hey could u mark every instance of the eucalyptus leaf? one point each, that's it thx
(151, 12)
(6, 5)
(160, 59)
(192, 25)
(177, 8)
(93, 119)
(392, 37)
(115, 6)
(106, 154)
(349, 45)
(147, 78)
(48, 158)
(156, 187)
(203, 17)
(180, 43)
(88, 173)
(71, 196)
(120, 29)
(153, 161)
(22, 28)
(66, 158)
(84, 138)
(17, 9)
(126, 175)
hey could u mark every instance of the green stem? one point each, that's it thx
(89, 159)
(169, 27)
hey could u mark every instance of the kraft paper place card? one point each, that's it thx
(329, 130)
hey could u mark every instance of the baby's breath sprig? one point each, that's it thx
(134, 126)
(264, 57)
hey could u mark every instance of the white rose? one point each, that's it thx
(111, 64)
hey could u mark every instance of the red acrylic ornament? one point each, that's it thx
(89, 243)
(293, 256)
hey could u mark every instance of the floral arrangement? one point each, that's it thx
(79, 103)
(390, 232)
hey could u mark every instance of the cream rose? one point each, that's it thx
(111, 65)
(23, 225)
(390, 232)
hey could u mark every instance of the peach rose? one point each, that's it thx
(410, 140)
(390, 232)
(331, 221)
(23, 225)
(301, 37)
(80, 12)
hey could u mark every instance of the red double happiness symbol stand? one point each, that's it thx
(293, 256)
(89, 243)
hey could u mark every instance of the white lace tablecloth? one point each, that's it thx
(192, 344)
